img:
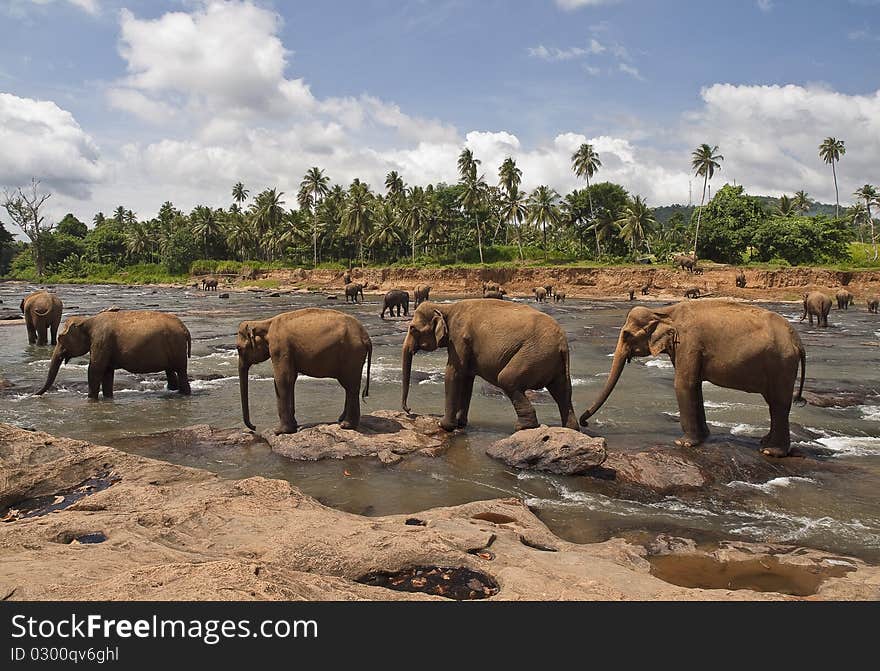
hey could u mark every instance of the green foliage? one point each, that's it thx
(180, 251)
(71, 226)
(862, 255)
(728, 223)
(801, 240)
(106, 243)
(58, 246)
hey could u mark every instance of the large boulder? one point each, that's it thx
(385, 435)
(552, 449)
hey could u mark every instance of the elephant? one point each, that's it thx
(490, 286)
(741, 279)
(42, 315)
(559, 297)
(139, 341)
(313, 341)
(352, 291)
(498, 295)
(685, 262)
(396, 298)
(540, 294)
(818, 304)
(632, 294)
(646, 290)
(209, 284)
(514, 347)
(729, 344)
(844, 299)
(422, 292)
(873, 305)
(692, 292)
(346, 277)
(549, 289)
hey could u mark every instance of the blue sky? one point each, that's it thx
(138, 102)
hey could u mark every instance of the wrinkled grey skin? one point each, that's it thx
(42, 315)
(395, 299)
(819, 305)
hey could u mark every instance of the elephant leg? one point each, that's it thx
(42, 335)
(701, 413)
(32, 333)
(285, 379)
(96, 376)
(171, 376)
(107, 382)
(560, 390)
(777, 443)
(55, 331)
(467, 391)
(183, 380)
(687, 394)
(453, 384)
(509, 381)
(351, 415)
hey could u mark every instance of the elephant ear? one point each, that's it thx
(440, 329)
(663, 339)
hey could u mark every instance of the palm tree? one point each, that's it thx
(358, 215)
(239, 193)
(604, 225)
(205, 224)
(637, 224)
(786, 207)
(802, 201)
(99, 219)
(415, 212)
(119, 216)
(136, 241)
(315, 185)
(386, 234)
(474, 194)
(543, 209)
(509, 176)
(513, 211)
(266, 213)
(239, 234)
(870, 195)
(830, 151)
(705, 161)
(395, 188)
(585, 163)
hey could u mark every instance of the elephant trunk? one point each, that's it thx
(409, 350)
(617, 365)
(54, 366)
(243, 368)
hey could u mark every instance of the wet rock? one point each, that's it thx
(840, 398)
(331, 297)
(552, 449)
(382, 432)
(223, 296)
(8, 314)
(660, 470)
(388, 457)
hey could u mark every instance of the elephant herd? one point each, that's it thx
(818, 304)
(511, 345)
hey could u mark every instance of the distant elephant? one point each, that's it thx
(209, 284)
(395, 298)
(315, 342)
(549, 289)
(741, 280)
(818, 304)
(559, 297)
(697, 269)
(422, 292)
(692, 292)
(352, 291)
(729, 344)
(139, 341)
(42, 315)
(646, 290)
(497, 295)
(844, 299)
(540, 294)
(514, 347)
(685, 262)
(873, 304)
(346, 277)
(632, 294)
(490, 286)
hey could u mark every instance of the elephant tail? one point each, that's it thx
(799, 399)
(369, 361)
(189, 344)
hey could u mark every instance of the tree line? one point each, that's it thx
(478, 219)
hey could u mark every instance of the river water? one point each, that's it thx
(835, 511)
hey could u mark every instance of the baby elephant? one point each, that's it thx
(422, 293)
(819, 305)
(139, 341)
(42, 314)
(395, 298)
(741, 280)
(844, 299)
(497, 295)
(693, 292)
(559, 297)
(352, 291)
(315, 342)
(873, 305)
(540, 294)
(209, 284)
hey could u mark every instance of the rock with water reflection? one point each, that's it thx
(385, 435)
(553, 449)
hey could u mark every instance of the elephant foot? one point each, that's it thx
(527, 424)
(345, 424)
(448, 426)
(773, 451)
(689, 441)
(281, 429)
(462, 422)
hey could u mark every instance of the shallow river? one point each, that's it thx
(834, 511)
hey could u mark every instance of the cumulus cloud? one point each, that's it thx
(40, 139)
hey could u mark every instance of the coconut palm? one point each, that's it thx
(415, 211)
(637, 224)
(543, 209)
(119, 216)
(358, 214)
(705, 161)
(830, 151)
(785, 207)
(314, 187)
(395, 188)
(205, 224)
(239, 234)
(509, 176)
(386, 234)
(466, 163)
(802, 202)
(870, 195)
(585, 163)
(513, 211)
(474, 194)
(604, 225)
(239, 193)
(266, 213)
(137, 241)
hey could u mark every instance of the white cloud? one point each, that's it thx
(557, 54)
(569, 5)
(19, 7)
(41, 140)
(630, 70)
(765, 5)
